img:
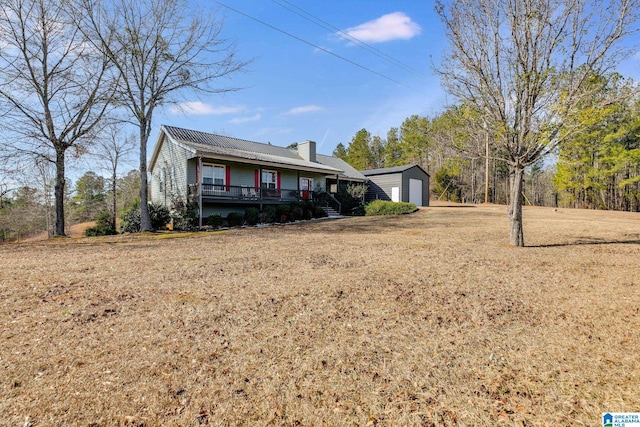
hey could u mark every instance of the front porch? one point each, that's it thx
(247, 195)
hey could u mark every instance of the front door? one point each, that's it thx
(306, 185)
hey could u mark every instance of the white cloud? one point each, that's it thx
(303, 109)
(240, 120)
(393, 26)
(201, 109)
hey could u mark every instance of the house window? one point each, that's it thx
(213, 174)
(269, 179)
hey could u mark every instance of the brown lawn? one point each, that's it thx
(428, 319)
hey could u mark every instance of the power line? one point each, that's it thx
(346, 36)
(300, 39)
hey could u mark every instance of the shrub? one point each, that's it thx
(302, 209)
(104, 226)
(283, 212)
(130, 218)
(215, 220)
(235, 219)
(358, 211)
(383, 207)
(296, 210)
(184, 214)
(159, 216)
(318, 212)
(252, 216)
(268, 215)
(351, 197)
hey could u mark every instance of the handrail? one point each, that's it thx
(247, 193)
(329, 200)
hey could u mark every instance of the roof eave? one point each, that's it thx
(325, 171)
(158, 146)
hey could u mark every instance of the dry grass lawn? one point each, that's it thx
(428, 319)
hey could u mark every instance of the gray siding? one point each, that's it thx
(244, 174)
(380, 186)
(319, 180)
(173, 160)
(415, 173)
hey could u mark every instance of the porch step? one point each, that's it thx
(331, 212)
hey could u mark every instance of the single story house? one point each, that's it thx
(398, 184)
(225, 174)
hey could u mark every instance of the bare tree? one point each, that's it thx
(111, 149)
(46, 172)
(161, 48)
(525, 65)
(54, 86)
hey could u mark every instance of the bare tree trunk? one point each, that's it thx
(59, 192)
(145, 221)
(114, 197)
(516, 175)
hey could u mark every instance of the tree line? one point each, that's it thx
(29, 209)
(597, 166)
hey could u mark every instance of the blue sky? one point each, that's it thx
(294, 91)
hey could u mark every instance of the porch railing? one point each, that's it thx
(245, 193)
(326, 199)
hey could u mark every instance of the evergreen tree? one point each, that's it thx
(378, 152)
(394, 155)
(89, 200)
(341, 152)
(416, 143)
(359, 153)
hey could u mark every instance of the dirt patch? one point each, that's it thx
(426, 319)
(75, 231)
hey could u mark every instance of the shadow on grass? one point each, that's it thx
(588, 243)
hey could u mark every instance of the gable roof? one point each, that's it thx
(348, 171)
(395, 169)
(239, 150)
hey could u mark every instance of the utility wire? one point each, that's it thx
(346, 36)
(300, 39)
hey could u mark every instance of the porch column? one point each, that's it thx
(199, 177)
(260, 186)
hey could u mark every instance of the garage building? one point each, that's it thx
(398, 184)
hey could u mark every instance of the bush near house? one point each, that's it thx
(283, 213)
(130, 219)
(352, 197)
(103, 227)
(252, 216)
(268, 215)
(235, 219)
(215, 220)
(184, 214)
(384, 207)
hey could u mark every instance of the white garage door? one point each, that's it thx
(415, 191)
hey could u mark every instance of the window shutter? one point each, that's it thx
(278, 180)
(227, 177)
(257, 180)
